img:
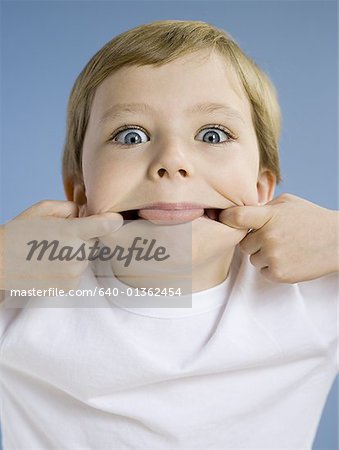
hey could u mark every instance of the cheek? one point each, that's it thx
(238, 183)
(104, 183)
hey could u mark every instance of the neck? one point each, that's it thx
(212, 273)
(197, 278)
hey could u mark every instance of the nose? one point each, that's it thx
(171, 161)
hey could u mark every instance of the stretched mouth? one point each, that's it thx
(171, 215)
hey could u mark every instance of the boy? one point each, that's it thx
(172, 123)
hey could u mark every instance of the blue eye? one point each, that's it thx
(213, 137)
(132, 137)
(129, 135)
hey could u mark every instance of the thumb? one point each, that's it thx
(50, 208)
(246, 217)
(97, 225)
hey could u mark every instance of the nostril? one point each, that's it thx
(183, 172)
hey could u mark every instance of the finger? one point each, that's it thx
(286, 198)
(251, 243)
(258, 260)
(97, 225)
(246, 217)
(52, 208)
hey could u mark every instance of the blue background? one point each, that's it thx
(45, 44)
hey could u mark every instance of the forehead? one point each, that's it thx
(174, 87)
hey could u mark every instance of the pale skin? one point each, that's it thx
(293, 240)
(171, 162)
(48, 220)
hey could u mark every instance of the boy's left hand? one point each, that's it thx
(292, 240)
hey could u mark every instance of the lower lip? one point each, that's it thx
(170, 215)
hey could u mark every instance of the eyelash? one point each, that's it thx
(231, 137)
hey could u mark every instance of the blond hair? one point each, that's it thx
(159, 43)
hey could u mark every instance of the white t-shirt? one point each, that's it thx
(249, 366)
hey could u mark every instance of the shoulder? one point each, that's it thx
(299, 316)
(321, 298)
(19, 304)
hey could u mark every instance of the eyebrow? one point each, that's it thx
(117, 110)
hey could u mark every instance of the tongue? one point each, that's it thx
(170, 215)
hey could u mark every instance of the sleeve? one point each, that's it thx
(322, 302)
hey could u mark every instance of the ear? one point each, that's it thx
(76, 192)
(266, 184)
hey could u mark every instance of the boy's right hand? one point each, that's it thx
(49, 220)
